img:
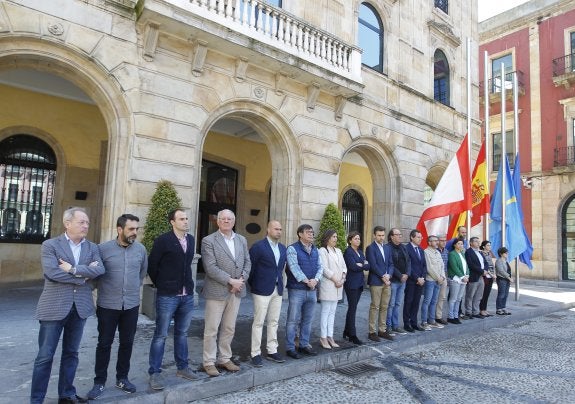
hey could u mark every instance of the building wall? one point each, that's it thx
(161, 83)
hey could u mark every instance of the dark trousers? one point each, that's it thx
(353, 296)
(126, 322)
(488, 284)
(411, 303)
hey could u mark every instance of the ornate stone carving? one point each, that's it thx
(312, 94)
(151, 35)
(199, 57)
(340, 102)
(259, 92)
(444, 31)
(56, 29)
(241, 68)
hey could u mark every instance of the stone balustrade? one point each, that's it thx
(275, 27)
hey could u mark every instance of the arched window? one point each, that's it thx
(352, 208)
(568, 239)
(27, 178)
(440, 78)
(370, 37)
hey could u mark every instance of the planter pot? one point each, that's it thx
(149, 301)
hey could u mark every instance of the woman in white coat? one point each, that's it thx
(331, 285)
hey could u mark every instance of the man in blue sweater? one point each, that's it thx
(302, 278)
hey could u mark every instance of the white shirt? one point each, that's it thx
(230, 243)
(76, 249)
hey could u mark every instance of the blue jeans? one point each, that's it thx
(397, 292)
(300, 313)
(180, 308)
(48, 338)
(456, 292)
(502, 293)
(430, 296)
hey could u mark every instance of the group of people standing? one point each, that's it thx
(397, 272)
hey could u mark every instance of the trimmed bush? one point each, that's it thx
(164, 200)
(332, 220)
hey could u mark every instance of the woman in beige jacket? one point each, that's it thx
(331, 285)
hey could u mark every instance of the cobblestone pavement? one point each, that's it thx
(527, 362)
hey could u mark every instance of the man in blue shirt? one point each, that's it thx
(304, 273)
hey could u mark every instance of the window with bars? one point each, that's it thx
(352, 208)
(27, 179)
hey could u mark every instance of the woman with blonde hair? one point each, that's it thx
(331, 285)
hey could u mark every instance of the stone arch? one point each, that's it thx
(563, 254)
(29, 52)
(435, 173)
(284, 150)
(385, 178)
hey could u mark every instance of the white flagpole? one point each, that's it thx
(487, 134)
(469, 127)
(503, 155)
(516, 127)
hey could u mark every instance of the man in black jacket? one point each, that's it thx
(170, 268)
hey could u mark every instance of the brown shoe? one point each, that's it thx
(373, 337)
(229, 366)
(385, 335)
(211, 370)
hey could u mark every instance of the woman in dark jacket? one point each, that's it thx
(356, 263)
(487, 279)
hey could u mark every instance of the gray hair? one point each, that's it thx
(71, 212)
(221, 212)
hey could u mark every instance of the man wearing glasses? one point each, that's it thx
(303, 275)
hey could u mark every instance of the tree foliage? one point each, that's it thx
(332, 220)
(164, 200)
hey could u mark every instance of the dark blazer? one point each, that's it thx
(169, 268)
(474, 265)
(62, 289)
(398, 252)
(377, 265)
(418, 264)
(265, 274)
(354, 278)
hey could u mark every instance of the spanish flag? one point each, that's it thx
(479, 196)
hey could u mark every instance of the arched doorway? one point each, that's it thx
(352, 211)
(368, 170)
(255, 141)
(568, 239)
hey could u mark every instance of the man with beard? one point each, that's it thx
(118, 304)
(402, 270)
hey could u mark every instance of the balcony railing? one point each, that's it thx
(564, 156)
(279, 29)
(564, 65)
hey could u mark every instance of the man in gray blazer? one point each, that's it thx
(226, 260)
(69, 262)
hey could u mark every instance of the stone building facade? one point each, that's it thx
(537, 40)
(273, 109)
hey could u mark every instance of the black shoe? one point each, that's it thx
(125, 385)
(454, 321)
(481, 316)
(441, 321)
(75, 399)
(275, 357)
(293, 354)
(96, 391)
(408, 328)
(307, 351)
(418, 328)
(257, 361)
(355, 340)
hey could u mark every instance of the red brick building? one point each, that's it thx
(537, 41)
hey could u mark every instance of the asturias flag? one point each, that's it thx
(526, 255)
(514, 240)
